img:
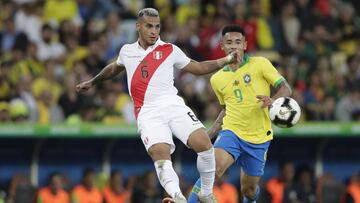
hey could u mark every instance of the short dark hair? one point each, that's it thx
(232, 28)
(148, 12)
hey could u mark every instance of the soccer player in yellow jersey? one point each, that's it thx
(244, 127)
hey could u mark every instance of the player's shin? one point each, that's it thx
(168, 178)
(206, 168)
(254, 198)
(193, 198)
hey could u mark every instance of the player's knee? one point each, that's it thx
(206, 146)
(219, 172)
(248, 190)
(217, 176)
(202, 147)
(159, 152)
(199, 141)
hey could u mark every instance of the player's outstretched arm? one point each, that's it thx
(283, 90)
(110, 71)
(205, 67)
(216, 126)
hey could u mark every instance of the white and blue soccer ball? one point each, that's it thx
(285, 112)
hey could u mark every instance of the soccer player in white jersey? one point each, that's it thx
(160, 112)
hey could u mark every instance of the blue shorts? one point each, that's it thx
(251, 157)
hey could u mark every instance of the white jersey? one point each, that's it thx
(150, 73)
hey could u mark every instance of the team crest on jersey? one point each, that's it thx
(157, 55)
(247, 78)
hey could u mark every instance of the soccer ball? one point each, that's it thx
(285, 112)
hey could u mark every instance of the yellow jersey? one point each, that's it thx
(237, 90)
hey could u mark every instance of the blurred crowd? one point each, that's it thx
(291, 185)
(48, 46)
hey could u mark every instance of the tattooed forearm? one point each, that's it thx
(216, 127)
(107, 73)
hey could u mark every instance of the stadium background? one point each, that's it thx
(46, 47)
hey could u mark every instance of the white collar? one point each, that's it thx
(158, 41)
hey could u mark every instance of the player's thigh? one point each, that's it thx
(227, 151)
(253, 158)
(223, 161)
(184, 123)
(155, 131)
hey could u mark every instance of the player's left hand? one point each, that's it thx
(266, 100)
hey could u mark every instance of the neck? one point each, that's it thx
(234, 66)
(143, 44)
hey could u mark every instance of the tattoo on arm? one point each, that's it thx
(216, 127)
(210, 66)
(205, 67)
(109, 72)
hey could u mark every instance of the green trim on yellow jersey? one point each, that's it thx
(237, 90)
(277, 83)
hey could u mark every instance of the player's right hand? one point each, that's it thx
(84, 86)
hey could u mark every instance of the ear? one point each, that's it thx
(245, 45)
(137, 26)
(222, 45)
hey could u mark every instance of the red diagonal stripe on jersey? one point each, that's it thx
(144, 72)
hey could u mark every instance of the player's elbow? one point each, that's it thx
(286, 89)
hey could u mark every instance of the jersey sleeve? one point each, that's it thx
(271, 75)
(181, 60)
(119, 60)
(215, 87)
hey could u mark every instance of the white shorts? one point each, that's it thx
(157, 125)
